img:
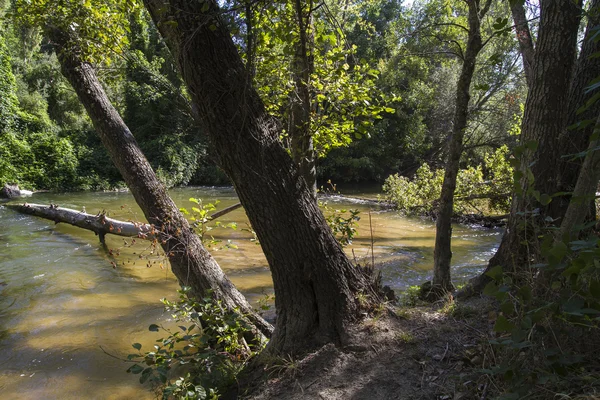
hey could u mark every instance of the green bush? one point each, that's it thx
(482, 188)
(208, 348)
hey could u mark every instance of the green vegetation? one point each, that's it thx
(200, 357)
(476, 190)
(441, 101)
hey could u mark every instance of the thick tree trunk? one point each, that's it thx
(302, 145)
(526, 46)
(191, 263)
(442, 254)
(544, 121)
(574, 141)
(315, 283)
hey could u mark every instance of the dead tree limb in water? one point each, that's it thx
(100, 224)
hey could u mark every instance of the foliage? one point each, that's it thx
(8, 87)
(343, 223)
(93, 28)
(201, 218)
(345, 100)
(411, 296)
(209, 348)
(545, 331)
(549, 311)
(475, 189)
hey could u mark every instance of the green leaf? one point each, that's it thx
(559, 250)
(503, 325)
(137, 346)
(525, 293)
(491, 289)
(507, 308)
(495, 273)
(147, 373)
(545, 199)
(153, 328)
(135, 369)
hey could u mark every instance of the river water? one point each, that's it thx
(69, 309)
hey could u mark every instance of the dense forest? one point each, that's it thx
(456, 107)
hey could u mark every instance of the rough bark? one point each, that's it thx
(191, 263)
(315, 283)
(526, 46)
(574, 141)
(442, 254)
(585, 190)
(302, 145)
(544, 120)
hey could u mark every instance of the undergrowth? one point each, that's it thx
(201, 357)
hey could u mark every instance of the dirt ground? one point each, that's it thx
(430, 352)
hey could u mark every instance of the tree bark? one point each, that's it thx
(544, 121)
(442, 254)
(585, 189)
(526, 46)
(191, 263)
(315, 283)
(302, 145)
(575, 141)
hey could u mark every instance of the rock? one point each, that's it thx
(10, 191)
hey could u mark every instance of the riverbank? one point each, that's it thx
(444, 351)
(427, 352)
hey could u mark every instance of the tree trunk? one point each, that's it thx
(585, 189)
(442, 254)
(526, 47)
(544, 120)
(191, 263)
(315, 283)
(574, 141)
(302, 145)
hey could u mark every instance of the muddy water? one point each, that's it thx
(66, 312)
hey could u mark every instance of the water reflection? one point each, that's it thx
(63, 306)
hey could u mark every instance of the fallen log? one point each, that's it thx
(100, 224)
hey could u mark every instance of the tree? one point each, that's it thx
(544, 122)
(191, 263)
(315, 283)
(310, 77)
(523, 34)
(442, 252)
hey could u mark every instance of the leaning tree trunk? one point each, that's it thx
(191, 263)
(526, 46)
(442, 254)
(585, 189)
(544, 120)
(315, 283)
(302, 144)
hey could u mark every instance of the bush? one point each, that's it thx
(478, 189)
(208, 348)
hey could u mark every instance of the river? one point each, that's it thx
(67, 313)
